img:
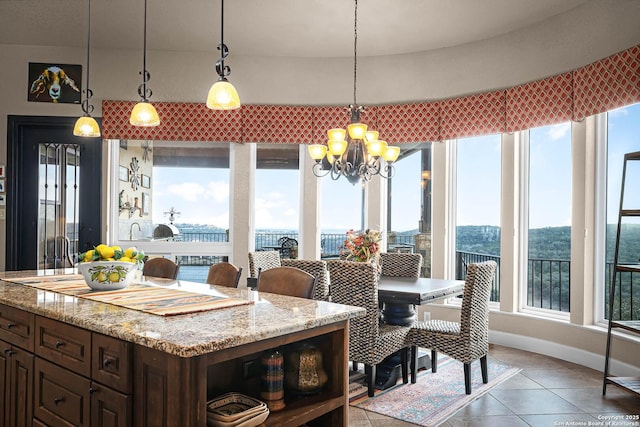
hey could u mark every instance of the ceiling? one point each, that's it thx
(301, 28)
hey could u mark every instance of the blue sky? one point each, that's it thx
(206, 200)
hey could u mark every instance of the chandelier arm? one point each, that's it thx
(387, 172)
(318, 170)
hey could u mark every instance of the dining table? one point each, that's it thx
(400, 295)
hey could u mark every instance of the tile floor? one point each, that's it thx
(548, 392)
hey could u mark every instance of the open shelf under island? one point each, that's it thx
(75, 361)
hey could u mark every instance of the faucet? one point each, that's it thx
(131, 229)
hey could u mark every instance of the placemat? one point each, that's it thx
(137, 296)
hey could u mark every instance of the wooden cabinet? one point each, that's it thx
(16, 390)
(16, 366)
(158, 375)
(81, 378)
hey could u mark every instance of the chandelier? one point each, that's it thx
(355, 153)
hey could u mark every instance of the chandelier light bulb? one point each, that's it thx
(317, 151)
(357, 130)
(144, 115)
(391, 153)
(376, 148)
(337, 148)
(336, 134)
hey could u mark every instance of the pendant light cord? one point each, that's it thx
(142, 89)
(355, 53)
(222, 70)
(86, 107)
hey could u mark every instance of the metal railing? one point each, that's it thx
(465, 258)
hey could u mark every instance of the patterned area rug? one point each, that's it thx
(435, 397)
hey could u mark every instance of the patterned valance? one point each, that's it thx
(598, 87)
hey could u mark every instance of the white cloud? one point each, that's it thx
(559, 131)
(218, 191)
(190, 191)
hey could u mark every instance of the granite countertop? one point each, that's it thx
(185, 335)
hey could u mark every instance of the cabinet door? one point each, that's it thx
(109, 408)
(5, 364)
(21, 392)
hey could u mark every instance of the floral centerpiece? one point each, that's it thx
(363, 246)
(109, 267)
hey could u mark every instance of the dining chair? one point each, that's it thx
(370, 340)
(399, 264)
(160, 267)
(224, 274)
(289, 281)
(263, 260)
(317, 268)
(467, 340)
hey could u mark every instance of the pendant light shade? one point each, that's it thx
(86, 126)
(222, 95)
(144, 114)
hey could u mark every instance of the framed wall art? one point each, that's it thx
(55, 83)
(1, 171)
(146, 181)
(146, 201)
(3, 201)
(123, 173)
(1, 185)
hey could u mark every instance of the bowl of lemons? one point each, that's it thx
(107, 268)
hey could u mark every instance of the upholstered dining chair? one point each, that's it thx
(263, 260)
(397, 264)
(370, 340)
(317, 268)
(160, 267)
(467, 340)
(224, 274)
(287, 281)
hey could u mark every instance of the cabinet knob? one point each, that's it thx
(58, 400)
(10, 325)
(107, 362)
(59, 344)
(92, 390)
(8, 351)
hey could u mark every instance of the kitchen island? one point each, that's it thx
(69, 360)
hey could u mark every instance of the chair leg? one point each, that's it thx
(370, 371)
(404, 363)
(483, 368)
(414, 363)
(467, 378)
(434, 361)
(354, 365)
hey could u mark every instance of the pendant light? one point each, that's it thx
(144, 114)
(86, 125)
(222, 95)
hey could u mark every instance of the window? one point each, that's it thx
(277, 196)
(478, 204)
(341, 210)
(173, 200)
(623, 129)
(549, 218)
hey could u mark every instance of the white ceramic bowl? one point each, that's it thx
(107, 275)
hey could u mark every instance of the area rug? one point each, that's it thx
(434, 397)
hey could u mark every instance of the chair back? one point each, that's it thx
(161, 267)
(263, 260)
(400, 264)
(287, 281)
(224, 274)
(289, 248)
(356, 283)
(317, 268)
(474, 313)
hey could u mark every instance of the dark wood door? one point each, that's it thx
(25, 136)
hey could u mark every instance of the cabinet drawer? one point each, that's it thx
(16, 326)
(64, 344)
(111, 362)
(61, 398)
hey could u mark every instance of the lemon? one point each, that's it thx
(114, 276)
(102, 277)
(116, 248)
(126, 259)
(131, 252)
(105, 251)
(88, 256)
